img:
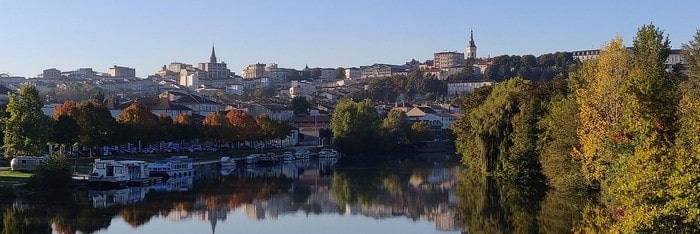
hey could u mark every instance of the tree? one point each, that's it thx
(556, 143)
(600, 101)
(263, 93)
(27, 130)
(354, 126)
(421, 131)
(315, 73)
(53, 175)
(648, 122)
(395, 129)
(685, 197)
(97, 126)
(339, 73)
(215, 127)
(293, 74)
(300, 105)
(184, 127)
(69, 108)
(243, 126)
(141, 123)
(65, 130)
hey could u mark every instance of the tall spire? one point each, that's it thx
(471, 38)
(212, 58)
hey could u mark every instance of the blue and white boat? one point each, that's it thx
(176, 166)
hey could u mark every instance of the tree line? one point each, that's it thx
(621, 128)
(26, 130)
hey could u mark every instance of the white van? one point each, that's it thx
(26, 163)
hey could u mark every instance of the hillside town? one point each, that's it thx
(211, 86)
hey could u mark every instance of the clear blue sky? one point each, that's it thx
(35, 35)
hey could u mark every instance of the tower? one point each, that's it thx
(471, 48)
(212, 58)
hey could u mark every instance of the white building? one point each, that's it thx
(467, 86)
(125, 72)
(352, 73)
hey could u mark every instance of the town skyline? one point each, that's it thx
(145, 37)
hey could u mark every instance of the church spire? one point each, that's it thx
(212, 58)
(471, 38)
(471, 48)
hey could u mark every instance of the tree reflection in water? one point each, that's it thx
(417, 191)
(490, 206)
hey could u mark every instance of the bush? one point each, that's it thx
(54, 174)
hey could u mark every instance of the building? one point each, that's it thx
(467, 87)
(125, 72)
(352, 73)
(51, 73)
(471, 48)
(214, 69)
(382, 70)
(673, 58)
(583, 55)
(327, 74)
(448, 59)
(191, 78)
(254, 71)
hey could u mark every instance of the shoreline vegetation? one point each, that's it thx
(619, 132)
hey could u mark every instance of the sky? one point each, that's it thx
(145, 35)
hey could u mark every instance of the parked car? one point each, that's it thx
(195, 148)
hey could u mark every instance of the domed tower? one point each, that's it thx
(471, 48)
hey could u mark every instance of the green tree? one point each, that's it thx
(300, 105)
(648, 121)
(53, 175)
(65, 131)
(684, 203)
(354, 126)
(339, 73)
(556, 143)
(395, 129)
(421, 131)
(27, 130)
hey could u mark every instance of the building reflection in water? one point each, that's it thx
(417, 191)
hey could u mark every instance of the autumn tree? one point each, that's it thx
(141, 123)
(184, 127)
(97, 126)
(27, 129)
(243, 126)
(215, 127)
(648, 123)
(600, 101)
(69, 108)
(684, 194)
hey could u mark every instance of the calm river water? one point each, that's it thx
(421, 195)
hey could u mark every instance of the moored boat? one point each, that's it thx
(176, 166)
(328, 153)
(108, 174)
(227, 162)
(302, 154)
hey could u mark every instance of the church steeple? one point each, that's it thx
(471, 48)
(212, 58)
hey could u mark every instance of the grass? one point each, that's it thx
(13, 177)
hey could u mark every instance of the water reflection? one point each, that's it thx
(420, 192)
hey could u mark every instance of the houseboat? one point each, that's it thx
(252, 159)
(268, 158)
(176, 166)
(227, 162)
(302, 154)
(288, 156)
(26, 163)
(108, 174)
(328, 153)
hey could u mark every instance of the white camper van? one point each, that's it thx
(26, 163)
